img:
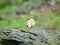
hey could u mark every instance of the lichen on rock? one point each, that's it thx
(30, 37)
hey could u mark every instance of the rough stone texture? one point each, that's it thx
(30, 37)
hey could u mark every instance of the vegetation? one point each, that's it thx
(44, 20)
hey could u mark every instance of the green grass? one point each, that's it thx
(13, 23)
(43, 20)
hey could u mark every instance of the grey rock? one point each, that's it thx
(31, 37)
(28, 9)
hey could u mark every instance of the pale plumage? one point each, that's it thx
(30, 23)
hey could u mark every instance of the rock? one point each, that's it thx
(25, 0)
(31, 37)
(28, 9)
(25, 10)
(50, 3)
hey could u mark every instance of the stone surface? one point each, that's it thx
(30, 37)
(28, 9)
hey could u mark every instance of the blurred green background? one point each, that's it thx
(44, 20)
